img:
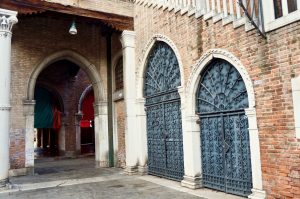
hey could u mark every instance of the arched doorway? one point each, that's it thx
(100, 105)
(164, 129)
(221, 100)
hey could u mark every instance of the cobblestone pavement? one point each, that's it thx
(79, 179)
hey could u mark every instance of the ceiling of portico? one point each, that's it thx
(110, 18)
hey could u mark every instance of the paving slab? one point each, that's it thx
(78, 178)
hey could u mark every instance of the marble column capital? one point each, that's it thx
(7, 20)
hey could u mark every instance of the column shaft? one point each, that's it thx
(7, 20)
(131, 138)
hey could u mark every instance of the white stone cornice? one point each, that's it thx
(7, 20)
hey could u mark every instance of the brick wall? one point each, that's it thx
(120, 119)
(270, 63)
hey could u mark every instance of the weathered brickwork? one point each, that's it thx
(34, 38)
(271, 64)
(17, 149)
(120, 118)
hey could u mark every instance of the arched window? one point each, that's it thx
(119, 75)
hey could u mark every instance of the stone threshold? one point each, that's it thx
(203, 192)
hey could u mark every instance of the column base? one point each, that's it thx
(191, 182)
(102, 164)
(142, 170)
(3, 182)
(21, 172)
(62, 153)
(257, 194)
(70, 154)
(130, 170)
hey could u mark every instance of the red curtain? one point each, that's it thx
(87, 110)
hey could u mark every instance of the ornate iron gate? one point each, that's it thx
(164, 131)
(221, 100)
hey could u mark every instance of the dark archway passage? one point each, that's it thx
(57, 133)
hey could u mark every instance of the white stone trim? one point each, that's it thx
(205, 59)
(192, 85)
(296, 103)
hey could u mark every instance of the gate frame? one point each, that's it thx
(140, 100)
(194, 129)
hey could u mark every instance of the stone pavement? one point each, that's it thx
(78, 178)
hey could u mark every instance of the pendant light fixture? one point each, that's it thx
(73, 29)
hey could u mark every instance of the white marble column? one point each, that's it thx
(131, 137)
(7, 20)
(101, 135)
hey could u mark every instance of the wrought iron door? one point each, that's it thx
(221, 100)
(164, 131)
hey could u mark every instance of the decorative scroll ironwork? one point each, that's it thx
(164, 130)
(225, 146)
(254, 12)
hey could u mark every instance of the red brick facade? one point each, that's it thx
(271, 63)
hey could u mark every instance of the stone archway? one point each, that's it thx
(100, 105)
(193, 178)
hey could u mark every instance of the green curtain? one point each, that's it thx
(43, 114)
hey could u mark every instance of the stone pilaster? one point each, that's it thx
(257, 191)
(128, 44)
(7, 20)
(101, 135)
(28, 107)
(78, 117)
